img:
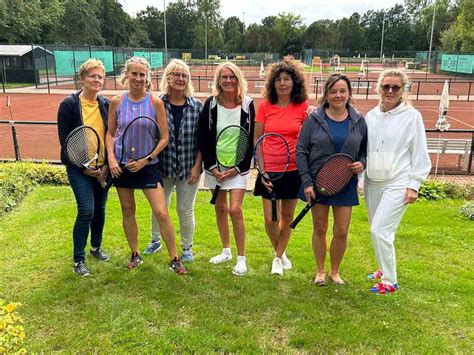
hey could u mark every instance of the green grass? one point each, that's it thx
(209, 309)
(16, 85)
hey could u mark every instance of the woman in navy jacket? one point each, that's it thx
(336, 127)
(87, 108)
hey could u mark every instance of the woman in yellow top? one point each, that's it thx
(87, 108)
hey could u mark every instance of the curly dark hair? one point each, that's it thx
(298, 93)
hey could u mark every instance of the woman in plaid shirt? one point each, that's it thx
(180, 162)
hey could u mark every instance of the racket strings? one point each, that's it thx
(272, 156)
(140, 138)
(231, 146)
(333, 176)
(82, 146)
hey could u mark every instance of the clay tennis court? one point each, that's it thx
(39, 141)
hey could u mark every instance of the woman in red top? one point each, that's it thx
(283, 111)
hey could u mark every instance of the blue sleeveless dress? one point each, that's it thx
(148, 176)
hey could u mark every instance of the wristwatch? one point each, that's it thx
(149, 158)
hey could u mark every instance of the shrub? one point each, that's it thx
(12, 333)
(468, 210)
(432, 190)
(17, 179)
(458, 191)
(38, 173)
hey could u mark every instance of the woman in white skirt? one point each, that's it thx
(227, 106)
(397, 164)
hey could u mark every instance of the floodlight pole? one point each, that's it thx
(381, 41)
(431, 37)
(205, 36)
(243, 22)
(164, 20)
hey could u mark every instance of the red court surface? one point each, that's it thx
(40, 141)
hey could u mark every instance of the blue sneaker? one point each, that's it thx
(153, 247)
(187, 255)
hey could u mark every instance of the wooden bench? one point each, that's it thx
(461, 147)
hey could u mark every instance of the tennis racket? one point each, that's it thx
(272, 157)
(331, 178)
(139, 139)
(82, 148)
(231, 148)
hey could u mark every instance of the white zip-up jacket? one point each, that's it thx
(396, 146)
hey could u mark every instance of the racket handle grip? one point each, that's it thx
(274, 209)
(214, 194)
(108, 183)
(302, 214)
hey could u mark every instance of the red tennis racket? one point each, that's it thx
(330, 179)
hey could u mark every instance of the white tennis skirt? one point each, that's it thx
(237, 182)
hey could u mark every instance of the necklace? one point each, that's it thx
(337, 116)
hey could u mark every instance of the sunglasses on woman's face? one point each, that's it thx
(386, 88)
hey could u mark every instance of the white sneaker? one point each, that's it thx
(240, 268)
(287, 265)
(277, 266)
(221, 258)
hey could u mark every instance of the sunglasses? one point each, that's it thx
(386, 88)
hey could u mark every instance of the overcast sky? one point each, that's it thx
(256, 10)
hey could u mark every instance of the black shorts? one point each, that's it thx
(146, 178)
(285, 188)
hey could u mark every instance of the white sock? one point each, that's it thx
(241, 258)
(226, 251)
(94, 248)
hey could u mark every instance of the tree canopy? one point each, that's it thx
(407, 27)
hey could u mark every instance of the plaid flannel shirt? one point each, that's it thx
(177, 160)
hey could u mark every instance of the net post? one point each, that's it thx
(16, 146)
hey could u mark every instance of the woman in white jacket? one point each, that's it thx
(397, 164)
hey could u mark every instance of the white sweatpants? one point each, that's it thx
(385, 209)
(185, 198)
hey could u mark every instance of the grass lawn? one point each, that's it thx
(209, 309)
(17, 85)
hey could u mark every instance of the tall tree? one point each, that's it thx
(21, 21)
(465, 26)
(79, 24)
(152, 21)
(233, 34)
(180, 25)
(115, 23)
(351, 36)
(321, 34)
(208, 17)
(291, 29)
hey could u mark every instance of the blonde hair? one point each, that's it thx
(89, 64)
(403, 79)
(136, 60)
(173, 65)
(217, 90)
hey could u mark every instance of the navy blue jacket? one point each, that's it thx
(315, 144)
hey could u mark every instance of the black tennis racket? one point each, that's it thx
(330, 179)
(82, 148)
(139, 139)
(272, 157)
(232, 144)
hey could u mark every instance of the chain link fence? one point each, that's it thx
(451, 152)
